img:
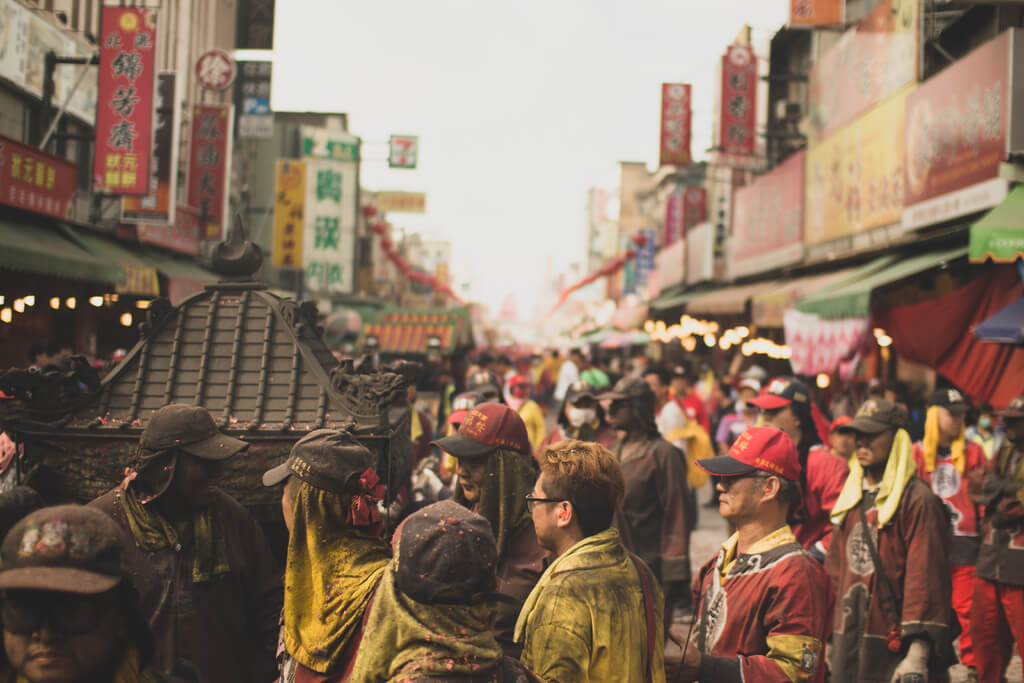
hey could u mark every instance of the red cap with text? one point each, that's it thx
(487, 428)
(759, 448)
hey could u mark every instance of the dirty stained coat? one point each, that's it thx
(226, 627)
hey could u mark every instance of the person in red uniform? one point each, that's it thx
(786, 404)
(946, 461)
(997, 615)
(683, 393)
(762, 603)
(889, 561)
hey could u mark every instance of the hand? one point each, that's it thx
(687, 659)
(914, 666)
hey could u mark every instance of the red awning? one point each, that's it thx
(409, 337)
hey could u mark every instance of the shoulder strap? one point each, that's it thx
(645, 585)
(888, 592)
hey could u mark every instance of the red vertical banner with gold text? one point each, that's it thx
(695, 208)
(739, 100)
(209, 162)
(675, 124)
(124, 104)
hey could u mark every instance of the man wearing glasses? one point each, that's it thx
(763, 604)
(596, 613)
(889, 560)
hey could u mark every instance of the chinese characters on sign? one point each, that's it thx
(33, 180)
(768, 221)
(209, 165)
(675, 124)
(816, 12)
(289, 213)
(328, 245)
(695, 208)
(158, 205)
(401, 202)
(404, 151)
(673, 218)
(324, 143)
(738, 108)
(215, 70)
(252, 100)
(124, 112)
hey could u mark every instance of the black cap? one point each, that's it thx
(877, 415)
(329, 459)
(579, 389)
(781, 392)
(484, 382)
(950, 399)
(628, 387)
(68, 548)
(191, 429)
(1014, 410)
(446, 554)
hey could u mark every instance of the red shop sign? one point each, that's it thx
(124, 109)
(209, 163)
(675, 124)
(738, 115)
(695, 208)
(34, 180)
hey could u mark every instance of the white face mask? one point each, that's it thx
(515, 403)
(581, 416)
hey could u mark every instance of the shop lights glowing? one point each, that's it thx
(1, 299)
(71, 302)
(709, 340)
(19, 305)
(687, 327)
(96, 301)
(30, 300)
(689, 343)
(126, 319)
(766, 347)
(823, 380)
(142, 304)
(6, 315)
(882, 337)
(55, 303)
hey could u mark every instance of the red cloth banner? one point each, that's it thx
(34, 180)
(695, 208)
(124, 106)
(675, 124)
(673, 219)
(985, 371)
(209, 162)
(738, 123)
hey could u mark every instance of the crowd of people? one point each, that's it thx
(546, 537)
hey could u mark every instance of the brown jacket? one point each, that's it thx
(227, 627)
(518, 572)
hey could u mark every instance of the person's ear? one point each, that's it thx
(770, 489)
(565, 513)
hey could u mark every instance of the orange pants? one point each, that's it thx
(963, 598)
(997, 619)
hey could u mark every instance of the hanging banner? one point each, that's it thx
(872, 61)
(158, 205)
(956, 139)
(252, 100)
(675, 124)
(768, 220)
(124, 112)
(695, 208)
(36, 181)
(209, 163)
(289, 213)
(816, 12)
(673, 231)
(328, 242)
(738, 112)
(855, 176)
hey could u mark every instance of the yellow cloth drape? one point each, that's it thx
(510, 476)
(152, 533)
(899, 470)
(331, 574)
(930, 443)
(536, 425)
(407, 639)
(698, 447)
(415, 427)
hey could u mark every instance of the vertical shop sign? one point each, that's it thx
(673, 218)
(738, 115)
(289, 213)
(675, 124)
(695, 208)
(328, 242)
(208, 166)
(158, 205)
(816, 12)
(252, 100)
(34, 180)
(124, 111)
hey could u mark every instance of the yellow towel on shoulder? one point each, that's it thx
(899, 470)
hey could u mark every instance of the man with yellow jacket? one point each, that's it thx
(596, 613)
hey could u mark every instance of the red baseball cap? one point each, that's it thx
(759, 448)
(487, 427)
(780, 392)
(516, 380)
(840, 421)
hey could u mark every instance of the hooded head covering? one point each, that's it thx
(640, 397)
(510, 476)
(930, 443)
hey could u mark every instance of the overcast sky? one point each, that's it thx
(520, 107)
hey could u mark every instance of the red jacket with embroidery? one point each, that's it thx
(950, 485)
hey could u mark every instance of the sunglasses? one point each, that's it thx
(64, 613)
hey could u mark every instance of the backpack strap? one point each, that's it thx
(645, 585)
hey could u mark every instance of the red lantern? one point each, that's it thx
(380, 228)
(369, 210)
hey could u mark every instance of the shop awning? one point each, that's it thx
(767, 308)
(728, 300)
(140, 275)
(999, 235)
(853, 299)
(41, 249)
(181, 269)
(1006, 326)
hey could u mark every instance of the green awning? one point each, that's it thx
(140, 275)
(44, 250)
(181, 269)
(677, 296)
(999, 235)
(853, 299)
